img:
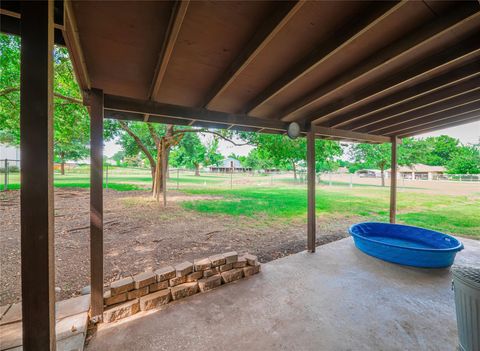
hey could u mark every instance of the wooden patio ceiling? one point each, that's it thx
(377, 68)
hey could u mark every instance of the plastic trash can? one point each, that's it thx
(466, 286)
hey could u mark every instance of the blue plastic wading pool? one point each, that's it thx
(407, 245)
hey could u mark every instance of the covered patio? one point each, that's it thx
(337, 299)
(357, 71)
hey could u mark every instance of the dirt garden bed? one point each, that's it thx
(140, 233)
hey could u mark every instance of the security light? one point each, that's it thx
(293, 130)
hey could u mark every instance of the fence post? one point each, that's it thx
(6, 175)
(351, 180)
(106, 176)
(231, 178)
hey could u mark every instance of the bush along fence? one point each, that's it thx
(150, 290)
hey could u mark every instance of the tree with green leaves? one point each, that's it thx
(465, 160)
(191, 153)
(71, 122)
(287, 153)
(440, 150)
(256, 160)
(373, 156)
(155, 141)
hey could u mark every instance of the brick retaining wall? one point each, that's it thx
(151, 290)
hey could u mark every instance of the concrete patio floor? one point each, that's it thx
(71, 324)
(335, 299)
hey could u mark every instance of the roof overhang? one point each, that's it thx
(359, 71)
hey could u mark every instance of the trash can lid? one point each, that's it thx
(469, 275)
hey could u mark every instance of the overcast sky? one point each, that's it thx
(467, 133)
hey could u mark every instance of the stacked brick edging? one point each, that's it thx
(150, 290)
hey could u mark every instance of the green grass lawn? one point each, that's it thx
(453, 214)
(121, 179)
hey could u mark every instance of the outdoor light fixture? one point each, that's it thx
(293, 130)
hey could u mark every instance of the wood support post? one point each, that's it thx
(96, 203)
(393, 181)
(311, 222)
(36, 197)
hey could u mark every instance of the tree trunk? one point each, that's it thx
(167, 155)
(382, 170)
(294, 170)
(62, 163)
(152, 170)
(157, 182)
(144, 149)
(197, 169)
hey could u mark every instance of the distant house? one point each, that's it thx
(9, 152)
(9, 155)
(342, 170)
(420, 172)
(229, 165)
(369, 173)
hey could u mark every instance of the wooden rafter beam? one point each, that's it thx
(76, 52)
(139, 117)
(465, 52)
(343, 37)
(441, 27)
(284, 12)
(447, 94)
(178, 113)
(10, 23)
(407, 94)
(349, 135)
(179, 11)
(446, 105)
(441, 125)
(117, 107)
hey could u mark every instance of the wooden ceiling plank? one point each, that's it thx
(179, 11)
(439, 27)
(439, 126)
(473, 110)
(467, 51)
(349, 135)
(436, 97)
(346, 35)
(269, 29)
(445, 105)
(407, 94)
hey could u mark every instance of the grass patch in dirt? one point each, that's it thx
(453, 214)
